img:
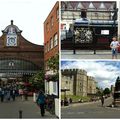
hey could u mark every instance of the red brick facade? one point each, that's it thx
(51, 48)
(51, 28)
(24, 50)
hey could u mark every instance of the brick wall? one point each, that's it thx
(25, 50)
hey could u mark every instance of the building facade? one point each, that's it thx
(51, 49)
(77, 82)
(71, 10)
(19, 58)
(88, 25)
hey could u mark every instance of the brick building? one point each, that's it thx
(51, 49)
(77, 82)
(19, 58)
(51, 33)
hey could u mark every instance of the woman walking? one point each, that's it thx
(41, 102)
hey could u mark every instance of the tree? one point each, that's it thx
(106, 91)
(99, 91)
(53, 63)
(37, 80)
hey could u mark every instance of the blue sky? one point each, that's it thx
(105, 72)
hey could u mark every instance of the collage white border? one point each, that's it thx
(118, 6)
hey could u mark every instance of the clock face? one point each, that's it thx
(11, 41)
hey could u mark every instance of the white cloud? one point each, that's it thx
(105, 73)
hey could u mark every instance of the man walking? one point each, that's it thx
(102, 100)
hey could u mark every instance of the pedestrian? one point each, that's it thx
(65, 101)
(2, 95)
(11, 92)
(62, 102)
(41, 102)
(114, 47)
(13, 95)
(0, 91)
(70, 100)
(21, 93)
(26, 94)
(8, 95)
(102, 100)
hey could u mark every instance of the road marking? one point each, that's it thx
(112, 108)
(71, 113)
(81, 112)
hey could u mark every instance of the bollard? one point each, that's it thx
(20, 113)
(34, 97)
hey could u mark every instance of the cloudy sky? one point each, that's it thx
(28, 15)
(105, 72)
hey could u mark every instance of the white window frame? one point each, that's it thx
(51, 43)
(55, 40)
(55, 91)
(48, 47)
(52, 21)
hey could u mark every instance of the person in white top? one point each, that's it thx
(114, 47)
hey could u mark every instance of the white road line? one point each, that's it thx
(112, 108)
(71, 113)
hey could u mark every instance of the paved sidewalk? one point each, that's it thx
(91, 111)
(87, 54)
(88, 103)
(29, 108)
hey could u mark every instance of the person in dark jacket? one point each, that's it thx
(2, 95)
(102, 100)
(13, 94)
(26, 94)
(41, 102)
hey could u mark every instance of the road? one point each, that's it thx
(87, 54)
(30, 109)
(91, 110)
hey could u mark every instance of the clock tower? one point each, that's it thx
(20, 59)
(12, 34)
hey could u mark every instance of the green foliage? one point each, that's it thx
(106, 91)
(53, 63)
(76, 98)
(37, 80)
(54, 77)
(99, 91)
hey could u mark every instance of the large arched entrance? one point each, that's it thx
(19, 58)
(16, 70)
